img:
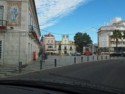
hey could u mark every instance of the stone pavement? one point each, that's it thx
(13, 70)
(7, 70)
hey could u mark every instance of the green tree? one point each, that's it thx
(81, 39)
(116, 35)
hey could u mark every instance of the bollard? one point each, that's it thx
(20, 67)
(81, 59)
(41, 64)
(74, 60)
(55, 61)
(106, 57)
(87, 58)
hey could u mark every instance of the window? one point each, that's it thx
(1, 15)
(67, 36)
(70, 47)
(65, 48)
(29, 18)
(0, 49)
(48, 41)
(49, 46)
(51, 41)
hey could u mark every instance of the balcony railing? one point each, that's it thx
(3, 25)
(50, 49)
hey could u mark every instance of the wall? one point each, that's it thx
(104, 39)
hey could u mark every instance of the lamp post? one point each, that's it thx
(109, 41)
(84, 45)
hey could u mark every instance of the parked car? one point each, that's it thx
(117, 54)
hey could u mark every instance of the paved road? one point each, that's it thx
(11, 70)
(110, 73)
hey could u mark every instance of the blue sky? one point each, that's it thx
(71, 16)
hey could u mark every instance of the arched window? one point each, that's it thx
(70, 47)
(65, 48)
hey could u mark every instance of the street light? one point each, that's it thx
(109, 35)
(84, 44)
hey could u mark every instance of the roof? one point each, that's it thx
(49, 35)
(57, 42)
(120, 25)
(36, 15)
(71, 42)
(110, 27)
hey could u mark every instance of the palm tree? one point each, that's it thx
(123, 36)
(116, 35)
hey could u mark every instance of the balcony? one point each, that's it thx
(31, 29)
(50, 43)
(33, 34)
(3, 25)
(50, 49)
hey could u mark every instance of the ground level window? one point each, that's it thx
(0, 49)
(1, 15)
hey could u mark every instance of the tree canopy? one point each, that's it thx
(81, 39)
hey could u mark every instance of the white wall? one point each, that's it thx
(104, 39)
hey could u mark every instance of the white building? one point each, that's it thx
(105, 42)
(67, 46)
(19, 31)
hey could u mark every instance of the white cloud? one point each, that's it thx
(50, 11)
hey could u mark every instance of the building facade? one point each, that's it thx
(66, 46)
(105, 42)
(19, 31)
(49, 44)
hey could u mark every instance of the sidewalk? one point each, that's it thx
(13, 70)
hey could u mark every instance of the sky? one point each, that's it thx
(71, 16)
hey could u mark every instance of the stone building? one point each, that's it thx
(19, 31)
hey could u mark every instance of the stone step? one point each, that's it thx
(2, 75)
(6, 73)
